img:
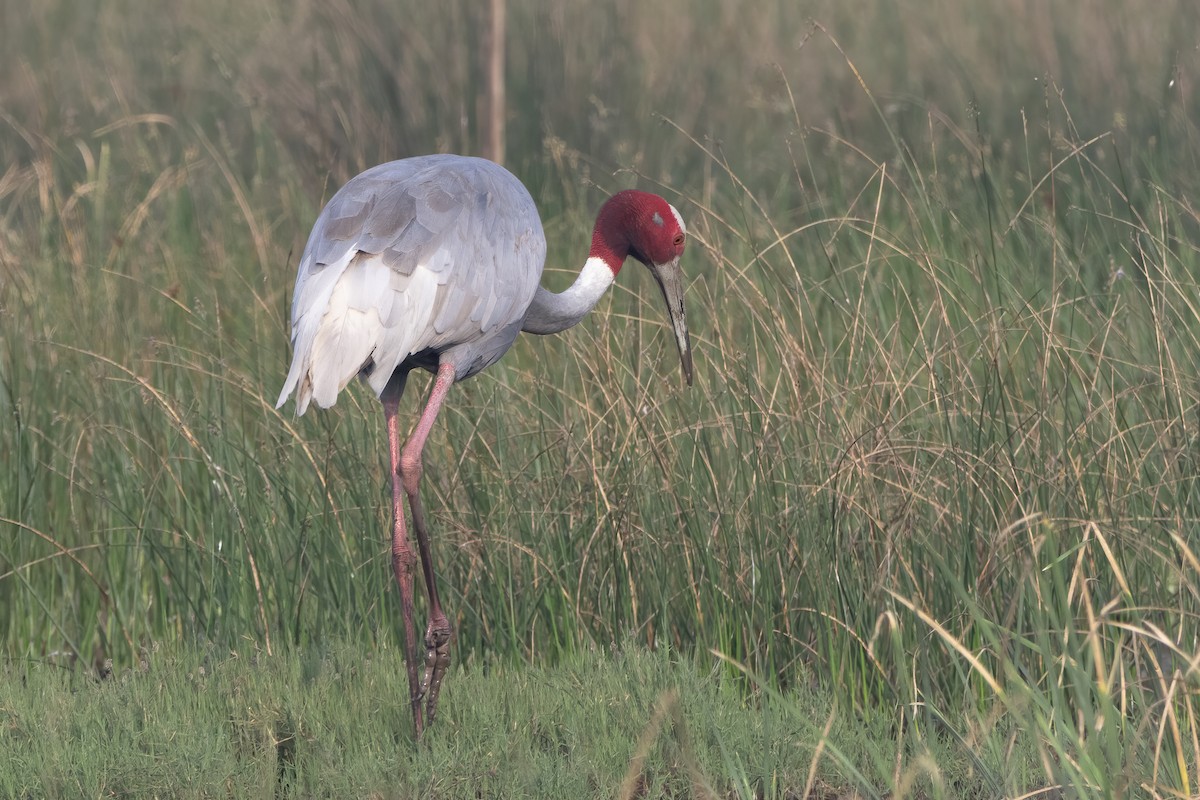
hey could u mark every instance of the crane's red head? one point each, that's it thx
(647, 227)
(638, 224)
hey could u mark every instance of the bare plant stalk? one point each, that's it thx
(494, 147)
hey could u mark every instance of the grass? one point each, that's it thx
(937, 478)
(200, 721)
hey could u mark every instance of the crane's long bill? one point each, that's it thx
(670, 280)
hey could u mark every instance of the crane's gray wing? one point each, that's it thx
(437, 254)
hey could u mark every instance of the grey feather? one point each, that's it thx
(436, 253)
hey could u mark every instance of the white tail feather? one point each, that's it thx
(356, 311)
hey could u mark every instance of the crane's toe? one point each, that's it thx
(437, 659)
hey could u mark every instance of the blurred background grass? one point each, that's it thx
(942, 448)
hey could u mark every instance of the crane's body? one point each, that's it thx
(419, 262)
(434, 262)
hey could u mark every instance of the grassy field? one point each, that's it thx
(204, 722)
(928, 525)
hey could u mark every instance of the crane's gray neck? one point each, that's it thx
(551, 313)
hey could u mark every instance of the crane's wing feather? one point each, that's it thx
(437, 254)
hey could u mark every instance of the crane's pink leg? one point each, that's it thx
(437, 635)
(402, 554)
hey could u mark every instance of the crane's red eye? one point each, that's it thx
(679, 240)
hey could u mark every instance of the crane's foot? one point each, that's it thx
(437, 659)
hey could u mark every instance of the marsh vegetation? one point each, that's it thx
(928, 521)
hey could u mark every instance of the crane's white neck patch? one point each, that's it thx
(594, 279)
(679, 219)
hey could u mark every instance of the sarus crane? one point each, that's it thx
(435, 262)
